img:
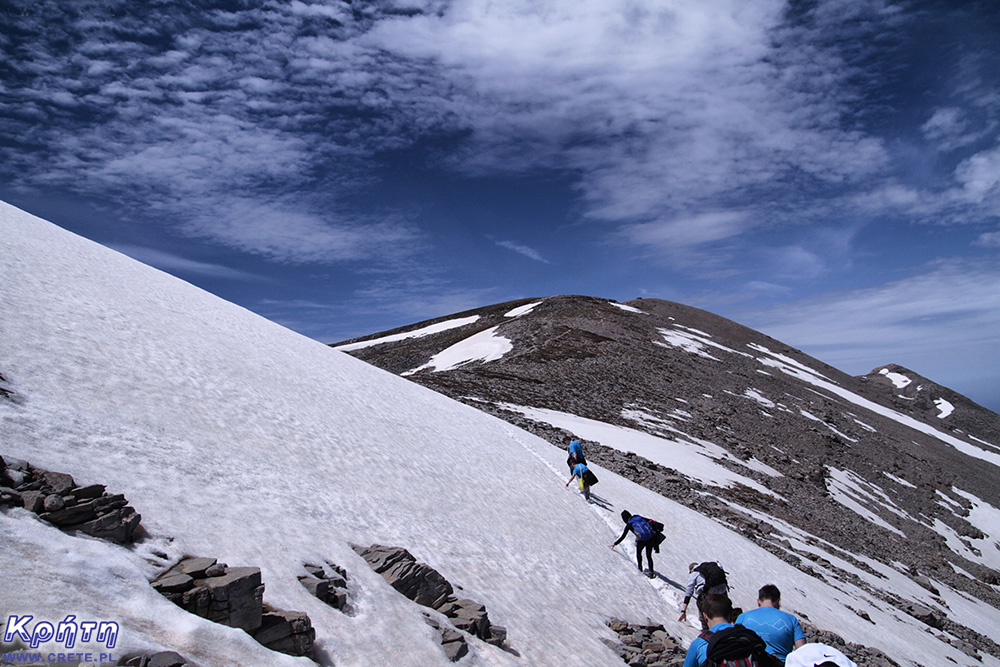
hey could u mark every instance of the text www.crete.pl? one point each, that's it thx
(66, 634)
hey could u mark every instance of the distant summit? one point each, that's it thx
(733, 423)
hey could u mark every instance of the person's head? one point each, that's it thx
(717, 606)
(626, 516)
(769, 596)
(691, 567)
(567, 439)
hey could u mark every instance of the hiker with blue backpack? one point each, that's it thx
(646, 537)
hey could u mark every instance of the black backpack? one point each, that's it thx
(737, 647)
(713, 573)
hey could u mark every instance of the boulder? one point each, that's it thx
(289, 632)
(235, 598)
(469, 616)
(57, 482)
(417, 581)
(331, 588)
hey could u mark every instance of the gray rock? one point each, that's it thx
(9, 496)
(469, 616)
(238, 597)
(217, 570)
(196, 568)
(288, 632)
(457, 649)
(53, 502)
(88, 492)
(173, 583)
(58, 482)
(166, 659)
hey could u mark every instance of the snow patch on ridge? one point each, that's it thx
(944, 406)
(417, 333)
(693, 341)
(795, 369)
(629, 309)
(484, 346)
(897, 379)
(851, 491)
(522, 310)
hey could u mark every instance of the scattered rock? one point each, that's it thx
(234, 596)
(56, 498)
(425, 586)
(452, 641)
(289, 632)
(645, 645)
(330, 587)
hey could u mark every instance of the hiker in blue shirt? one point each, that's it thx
(586, 477)
(575, 450)
(645, 537)
(717, 612)
(779, 629)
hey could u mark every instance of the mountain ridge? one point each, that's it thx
(852, 466)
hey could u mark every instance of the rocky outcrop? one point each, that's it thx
(330, 587)
(55, 497)
(645, 645)
(425, 586)
(452, 641)
(234, 596)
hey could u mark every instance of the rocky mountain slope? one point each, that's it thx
(888, 466)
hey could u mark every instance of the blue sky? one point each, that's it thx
(827, 172)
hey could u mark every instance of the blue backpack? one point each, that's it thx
(643, 531)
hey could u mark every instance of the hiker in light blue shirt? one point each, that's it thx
(575, 450)
(779, 629)
(717, 611)
(586, 478)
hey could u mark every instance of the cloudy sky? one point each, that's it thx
(826, 171)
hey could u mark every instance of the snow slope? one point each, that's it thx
(238, 439)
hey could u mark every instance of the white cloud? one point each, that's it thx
(530, 253)
(947, 127)
(989, 240)
(181, 265)
(676, 235)
(936, 322)
(979, 176)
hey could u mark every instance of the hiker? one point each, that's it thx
(645, 538)
(586, 477)
(703, 579)
(575, 450)
(725, 641)
(779, 629)
(817, 655)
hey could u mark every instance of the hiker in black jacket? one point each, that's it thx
(645, 538)
(698, 586)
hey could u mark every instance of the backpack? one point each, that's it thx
(737, 647)
(643, 531)
(713, 573)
